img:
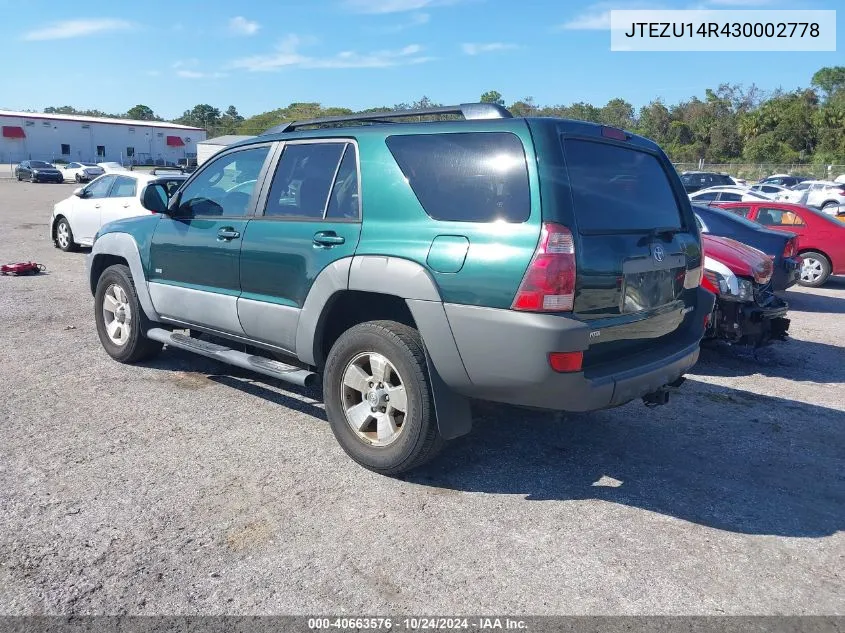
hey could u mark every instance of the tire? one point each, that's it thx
(410, 438)
(815, 269)
(33, 179)
(77, 178)
(117, 280)
(18, 176)
(64, 236)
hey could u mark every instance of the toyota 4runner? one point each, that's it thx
(413, 266)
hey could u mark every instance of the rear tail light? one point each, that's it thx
(566, 361)
(549, 282)
(790, 249)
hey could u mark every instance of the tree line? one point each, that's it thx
(733, 123)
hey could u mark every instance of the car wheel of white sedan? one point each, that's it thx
(64, 236)
(77, 178)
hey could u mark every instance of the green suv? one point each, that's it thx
(412, 266)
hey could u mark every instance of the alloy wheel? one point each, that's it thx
(63, 235)
(374, 399)
(811, 270)
(117, 314)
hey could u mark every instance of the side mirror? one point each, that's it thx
(79, 192)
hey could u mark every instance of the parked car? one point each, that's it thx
(747, 311)
(726, 194)
(111, 167)
(781, 246)
(76, 220)
(821, 237)
(458, 282)
(770, 190)
(822, 194)
(38, 171)
(695, 180)
(82, 172)
(784, 180)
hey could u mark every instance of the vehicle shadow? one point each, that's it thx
(809, 302)
(793, 359)
(718, 457)
(291, 397)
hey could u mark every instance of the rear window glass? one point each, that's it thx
(616, 188)
(466, 177)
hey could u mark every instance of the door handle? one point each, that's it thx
(96, 206)
(328, 238)
(227, 233)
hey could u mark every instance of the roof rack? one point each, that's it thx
(470, 111)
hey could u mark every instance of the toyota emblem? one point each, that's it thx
(658, 253)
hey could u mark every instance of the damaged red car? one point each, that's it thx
(747, 311)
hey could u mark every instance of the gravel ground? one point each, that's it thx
(186, 487)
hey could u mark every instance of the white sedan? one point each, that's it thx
(82, 172)
(111, 167)
(76, 220)
(728, 193)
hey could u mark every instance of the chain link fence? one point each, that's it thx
(756, 171)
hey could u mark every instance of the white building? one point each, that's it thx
(70, 137)
(209, 147)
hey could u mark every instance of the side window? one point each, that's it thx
(778, 217)
(466, 177)
(225, 186)
(344, 202)
(124, 187)
(707, 195)
(743, 211)
(99, 188)
(730, 197)
(303, 180)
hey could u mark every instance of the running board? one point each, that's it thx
(259, 364)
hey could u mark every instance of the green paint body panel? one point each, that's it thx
(279, 259)
(188, 252)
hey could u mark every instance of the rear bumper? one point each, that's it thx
(505, 354)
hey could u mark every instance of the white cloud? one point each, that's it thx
(287, 55)
(393, 6)
(78, 28)
(195, 74)
(186, 63)
(417, 19)
(491, 47)
(239, 25)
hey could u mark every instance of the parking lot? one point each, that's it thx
(185, 486)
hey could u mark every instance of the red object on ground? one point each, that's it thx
(22, 268)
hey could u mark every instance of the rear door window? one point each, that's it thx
(617, 188)
(778, 217)
(730, 197)
(466, 177)
(124, 187)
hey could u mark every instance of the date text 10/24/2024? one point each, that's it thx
(418, 624)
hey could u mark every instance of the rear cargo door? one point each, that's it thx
(635, 244)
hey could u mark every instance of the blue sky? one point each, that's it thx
(265, 54)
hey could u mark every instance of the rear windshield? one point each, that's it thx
(616, 188)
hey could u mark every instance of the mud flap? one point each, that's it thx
(454, 414)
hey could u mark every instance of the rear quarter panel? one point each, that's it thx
(396, 224)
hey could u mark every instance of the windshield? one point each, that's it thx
(39, 163)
